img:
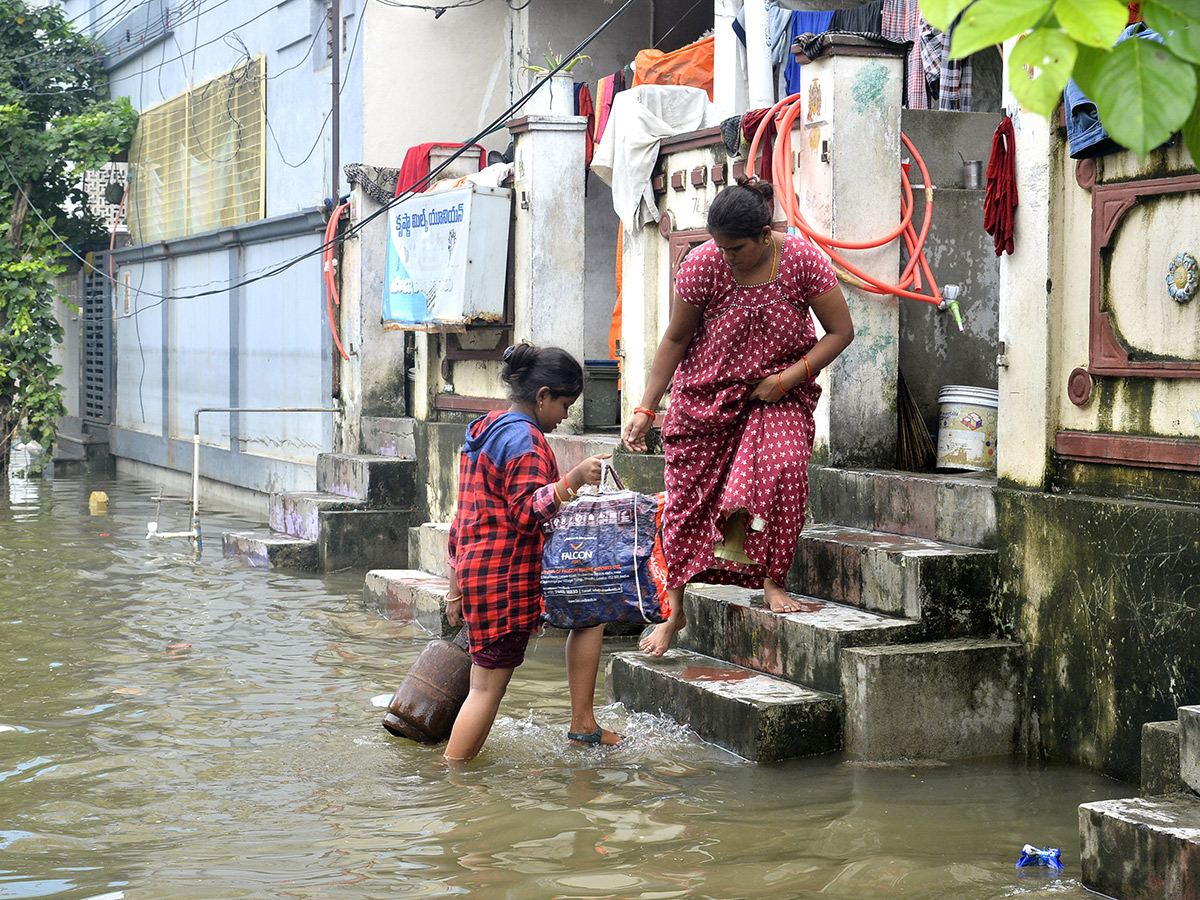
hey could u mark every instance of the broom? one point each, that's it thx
(914, 449)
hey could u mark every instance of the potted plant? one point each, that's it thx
(557, 96)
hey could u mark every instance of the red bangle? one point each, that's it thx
(779, 381)
(649, 412)
(807, 368)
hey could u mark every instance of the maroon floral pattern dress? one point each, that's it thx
(724, 452)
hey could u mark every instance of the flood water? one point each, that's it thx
(178, 727)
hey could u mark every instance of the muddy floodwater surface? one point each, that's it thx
(176, 726)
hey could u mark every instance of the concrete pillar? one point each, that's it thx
(759, 74)
(1026, 411)
(729, 79)
(548, 276)
(644, 305)
(847, 175)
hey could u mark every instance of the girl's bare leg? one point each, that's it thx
(777, 598)
(657, 641)
(583, 664)
(478, 712)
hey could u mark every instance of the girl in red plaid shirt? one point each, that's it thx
(508, 487)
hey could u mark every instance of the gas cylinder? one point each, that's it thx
(426, 703)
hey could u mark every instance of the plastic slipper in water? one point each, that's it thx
(594, 739)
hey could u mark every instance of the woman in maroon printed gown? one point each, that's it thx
(743, 354)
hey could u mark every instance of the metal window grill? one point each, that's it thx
(197, 160)
(97, 344)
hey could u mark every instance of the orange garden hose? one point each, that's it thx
(330, 278)
(910, 281)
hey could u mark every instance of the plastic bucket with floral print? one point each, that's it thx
(967, 428)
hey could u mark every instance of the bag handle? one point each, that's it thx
(607, 471)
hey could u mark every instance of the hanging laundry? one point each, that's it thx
(902, 21)
(803, 23)
(779, 31)
(416, 166)
(690, 66)
(1000, 196)
(1085, 134)
(607, 88)
(866, 19)
(947, 81)
(766, 147)
(586, 108)
(641, 117)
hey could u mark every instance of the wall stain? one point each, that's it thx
(869, 88)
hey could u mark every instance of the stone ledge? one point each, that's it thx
(1142, 848)
(751, 714)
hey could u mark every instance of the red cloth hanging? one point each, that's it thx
(586, 108)
(1000, 198)
(750, 123)
(416, 166)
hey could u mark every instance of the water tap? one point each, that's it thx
(950, 294)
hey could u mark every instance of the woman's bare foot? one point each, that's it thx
(657, 640)
(586, 737)
(778, 600)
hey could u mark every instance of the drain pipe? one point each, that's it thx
(194, 534)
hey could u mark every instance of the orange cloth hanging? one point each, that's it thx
(614, 330)
(690, 66)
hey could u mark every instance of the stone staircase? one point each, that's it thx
(1149, 846)
(892, 656)
(81, 448)
(359, 516)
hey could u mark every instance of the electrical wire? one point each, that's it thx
(362, 223)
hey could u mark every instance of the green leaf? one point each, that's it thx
(1142, 93)
(940, 13)
(988, 22)
(1178, 21)
(1039, 68)
(1191, 134)
(1096, 23)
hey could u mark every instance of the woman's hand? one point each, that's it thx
(587, 472)
(634, 437)
(769, 390)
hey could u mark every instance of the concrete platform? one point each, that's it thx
(384, 436)
(298, 514)
(378, 481)
(756, 716)
(364, 538)
(732, 623)
(406, 595)
(1189, 746)
(1142, 848)
(947, 586)
(271, 551)
(1160, 759)
(946, 700)
(427, 547)
(958, 508)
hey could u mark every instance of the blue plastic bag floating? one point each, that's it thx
(1033, 856)
(602, 560)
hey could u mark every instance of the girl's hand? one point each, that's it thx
(634, 437)
(587, 472)
(454, 616)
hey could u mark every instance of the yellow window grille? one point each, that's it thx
(197, 159)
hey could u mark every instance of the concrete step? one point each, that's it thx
(1189, 747)
(388, 437)
(364, 538)
(572, 449)
(298, 514)
(406, 595)
(1160, 759)
(945, 700)
(271, 551)
(380, 482)
(756, 716)
(947, 586)
(732, 623)
(957, 508)
(1142, 848)
(428, 544)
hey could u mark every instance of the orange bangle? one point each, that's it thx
(649, 412)
(779, 381)
(807, 368)
(558, 496)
